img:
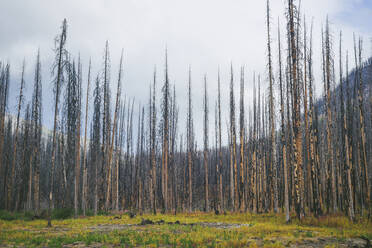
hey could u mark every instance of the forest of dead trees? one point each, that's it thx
(290, 151)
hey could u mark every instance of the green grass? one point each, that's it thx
(58, 214)
(267, 230)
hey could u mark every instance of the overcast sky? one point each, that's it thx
(206, 34)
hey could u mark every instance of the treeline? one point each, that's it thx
(289, 152)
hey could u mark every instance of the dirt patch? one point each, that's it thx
(114, 227)
(110, 227)
(318, 242)
(82, 245)
(322, 242)
(222, 225)
(309, 242)
(205, 224)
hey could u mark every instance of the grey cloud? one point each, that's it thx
(204, 34)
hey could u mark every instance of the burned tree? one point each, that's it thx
(85, 167)
(206, 184)
(11, 187)
(190, 142)
(59, 66)
(273, 170)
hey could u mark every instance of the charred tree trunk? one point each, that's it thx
(85, 167)
(109, 164)
(242, 194)
(297, 146)
(60, 53)
(283, 140)
(77, 152)
(11, 188)
(220, 163)
(233, 163)
(206, 184)
(190, 143)
(165, 149)
(153, 147)
(273, 167)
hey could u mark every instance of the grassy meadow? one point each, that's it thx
(183, 230)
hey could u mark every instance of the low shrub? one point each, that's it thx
(5, 215)
(103, 212)
(89, 212)
(62, 213)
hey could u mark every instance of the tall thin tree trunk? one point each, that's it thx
(109, 166)
(189, 142)
(364, 165)
(4, 97)
(85, 167)
(234, 167)
(307, 132)
(273, 166)
(153, 146)
(77, 158)
(297, 146)
(242, 194)
(254, 158)
(206, 184)
(34, 171)
(60, 63)
(331, 164)
(284, 145)
(348, 154)
(165, 154)
(13, 179)
(220, 163)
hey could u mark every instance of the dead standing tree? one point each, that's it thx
(109, 165)
(233, 166)
(4, 87)
(59, 66)
(165, 144)
(283, 139)
(153, 146)
(190, 142)
(242, 193)
(95, 145)
(296, 110)
(206, 184)
(345, 139)
(78, 139)
(85, 167)
(34, 163)
(330, 162)
(273, 167)
(106, 122)
(11, 187)
(220, 162)
(362, 150)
